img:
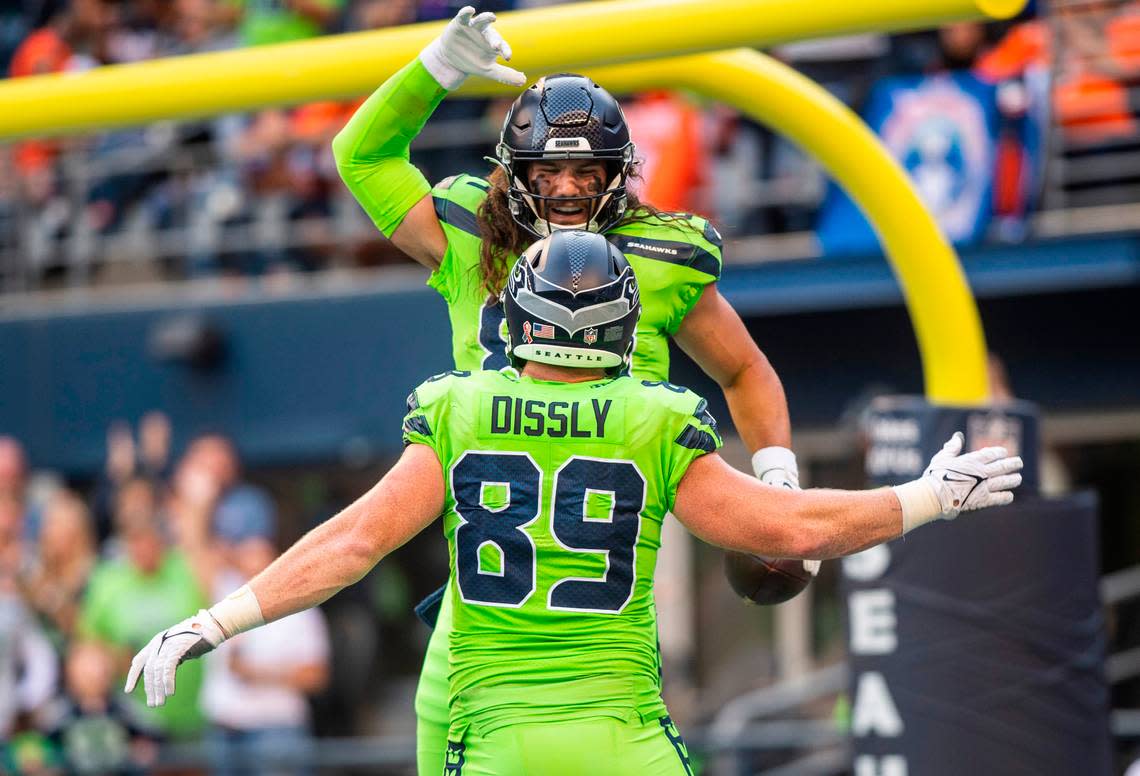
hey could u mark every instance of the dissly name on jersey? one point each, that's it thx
(535, 417)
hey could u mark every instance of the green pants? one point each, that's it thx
(599, 747)
(431, 697)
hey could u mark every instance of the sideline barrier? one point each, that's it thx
(980, 643)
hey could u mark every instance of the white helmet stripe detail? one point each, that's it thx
(572, 321)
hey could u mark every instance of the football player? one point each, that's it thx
(565, 160)
(553, 481)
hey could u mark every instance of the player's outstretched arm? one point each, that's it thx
(713, 335)
(729, 509)
(373, 148)
(332, 556)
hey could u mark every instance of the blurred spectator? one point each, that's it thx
(286, 161)
(375, 14)
(78, 37)
(208, 502)
(63, 562)
(208, 469)
(129, 597)
(93, 729)
(28, 667)
(1095, 57)
(13, 548)
(256, 684)
(13, 472)
(244, 512)
(17, 19)
(154, 446)
(943, 128)
(670, 140)
(261, 22)
(149, 458)
(29, 752)
(215, 456)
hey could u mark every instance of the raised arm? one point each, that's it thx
(332, 556)
(372, 151)
(713, 335)
(731, 510)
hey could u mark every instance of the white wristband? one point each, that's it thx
(238, 612)
(919, 503)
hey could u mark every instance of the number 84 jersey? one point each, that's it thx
(555, 493)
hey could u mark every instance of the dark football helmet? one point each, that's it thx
(572, 299)
(565, 116)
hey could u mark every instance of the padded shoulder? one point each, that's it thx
(676, 238)
(427, 404)
(457, 200)
(695, 425)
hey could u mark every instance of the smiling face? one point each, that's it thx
(573, 179)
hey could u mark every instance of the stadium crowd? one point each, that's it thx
(966, 109)
(84, 581)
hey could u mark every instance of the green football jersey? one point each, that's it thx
(673, 255)
(555, 493)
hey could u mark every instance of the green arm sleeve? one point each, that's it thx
(372, 150)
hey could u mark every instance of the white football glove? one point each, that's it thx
(955, 483)
(158, 660)
(469, 45)
(776, 466)
(983, 478)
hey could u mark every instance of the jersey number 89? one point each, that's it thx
(504, 527)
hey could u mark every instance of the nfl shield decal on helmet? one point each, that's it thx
(591, 336)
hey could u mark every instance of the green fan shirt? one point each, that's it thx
(124, 607)
(673, 255)
(555, 494)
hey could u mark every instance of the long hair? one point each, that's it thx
(502, 237)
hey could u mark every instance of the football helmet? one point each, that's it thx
(572, 300)
(565, 116)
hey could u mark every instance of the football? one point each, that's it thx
(765, 581)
